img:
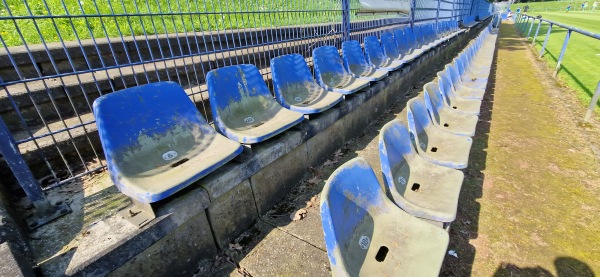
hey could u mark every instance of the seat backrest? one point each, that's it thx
(395, 152)
(401, 42)
(433, 100)
(148, 127)
(350, 200)
(445, 86)
(373, 51)
(410, 38)
(291, 76)
(328, 65)
(239, 97)
(354, 59)
(453, 74)
(390, 49)
(418, 121)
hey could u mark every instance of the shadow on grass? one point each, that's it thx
(565, 267)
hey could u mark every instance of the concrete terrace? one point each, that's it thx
(529, 204)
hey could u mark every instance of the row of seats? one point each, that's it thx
(156, 142)
(469, 21)
(401, 230)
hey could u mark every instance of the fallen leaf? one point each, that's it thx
(338, 153)
(328, 163)
(453, 253)
(235, 246)
(298, 215)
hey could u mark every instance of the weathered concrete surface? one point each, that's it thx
(177, 254)
(276, 180)
(279, 254)
(15, 256)
(232, 213)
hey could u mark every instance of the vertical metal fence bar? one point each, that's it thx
(593, 104)
(562, 52)
(542, 51)
(530, 28)
(536, 32)
(345, 20)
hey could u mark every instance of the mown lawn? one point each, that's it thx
(581, 63)
(84, 19)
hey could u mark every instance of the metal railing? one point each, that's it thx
(57, 57)
(525, 25)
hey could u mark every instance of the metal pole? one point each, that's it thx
(546, 40)
(413, 5)
(530, 28)
(562, 52)
(45, 211)
(536, 32)
(346, 20)
(593, 104)
(437, 15)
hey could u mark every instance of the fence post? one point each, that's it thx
(530, 29)
(536, 32)
(562, 52)
(437, 15)
(413, 7)
(546, 40)
(345, 20)
(593, 104)
(45, 212)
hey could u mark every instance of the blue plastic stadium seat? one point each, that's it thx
(243, 107)
(390, 48)
(156, 142)
(464, 105)
(466, 79)
(450, 120)
(459, 88)
(404, 46)
(377, 58)
(296, 89)
(420, 188)
(367, 235)
(355, 63)
(330, 72)
(434, 144)
(411, 40)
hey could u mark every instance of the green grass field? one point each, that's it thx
(581, 63)
(141, 17)
(551, 6)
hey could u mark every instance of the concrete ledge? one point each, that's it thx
(220, 206)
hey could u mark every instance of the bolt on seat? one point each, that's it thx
(156, 142)
(420, 188)
(330, 72)
(355, 63)
(366, 234)
(462, 124)
(296, 89)
(377, 58)
(243, 107)
(434, 144)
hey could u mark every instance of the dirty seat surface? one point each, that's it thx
(243, 107)
(296, 89)
(330, 72)
(434, 144)
(460, 104)
(460, 89)
(419, 187)
(446, 118)
(156, 142)
(368, 235)
(355, 63)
